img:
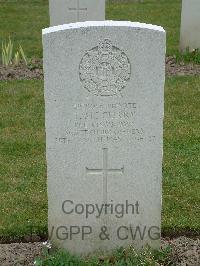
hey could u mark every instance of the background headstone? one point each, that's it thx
(68, 11)
(104, 84)
(190, 25)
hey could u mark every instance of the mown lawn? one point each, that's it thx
(22, 158)
(23, 168)
(23, 20)
(181, 168)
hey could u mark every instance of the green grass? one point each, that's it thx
(23, 169)
(158, 12)
(24, 20)
(182, 154)
(121, 257)
(22, 158)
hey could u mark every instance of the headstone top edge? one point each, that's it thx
(105, 23)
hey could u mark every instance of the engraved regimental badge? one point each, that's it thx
(105, 69)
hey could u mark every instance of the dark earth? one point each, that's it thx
(35, 71)
(185, 252)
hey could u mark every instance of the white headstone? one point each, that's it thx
(104, 134)
(190, 25)
(68, 11)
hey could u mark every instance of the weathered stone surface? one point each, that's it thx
(68, 11)
(104, 131)
(190, 25)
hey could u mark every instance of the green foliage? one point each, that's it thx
(9, 57)
(190, 56)
(23, 55)
(16, 59)
(121, 257)
(7, 52)
(23, 26)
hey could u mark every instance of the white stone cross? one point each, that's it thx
(78, 9)
(105, 171)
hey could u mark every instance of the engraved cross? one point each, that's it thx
(78, 9)
(105, 171)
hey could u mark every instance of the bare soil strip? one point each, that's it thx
(185, 251)
(35, 71)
